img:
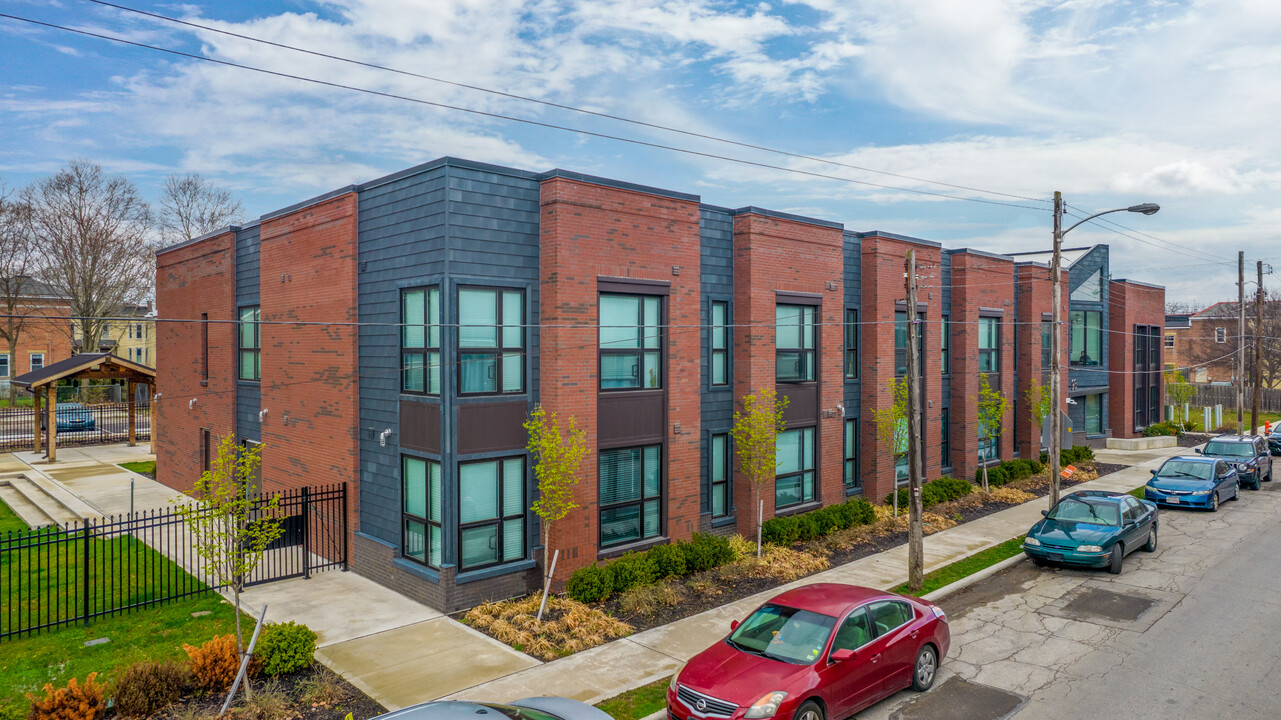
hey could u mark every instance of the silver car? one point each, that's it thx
(534, 708)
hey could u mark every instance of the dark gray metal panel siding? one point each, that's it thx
(1095, 260)
(716, 230)
(401, 244)
(946, 275)
(248, 394)
(853, 299)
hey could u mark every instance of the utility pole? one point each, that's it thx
(1258, 354)
(1240, 340)
(1056, 349)
(915, 463)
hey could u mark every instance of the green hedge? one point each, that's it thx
(596, 583)
(1169, 427)
(799, 528)
(1074, 454)
(1008, 471)
(935, 492)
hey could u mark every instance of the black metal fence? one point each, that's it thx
(60, 575)
(110, 424)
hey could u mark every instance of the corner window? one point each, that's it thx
(943, 343)
(1220, 335)
(250, 344)
(851, 344)
(631, 348)
(989, 345)
(491, 341)
(1091, 290)
(37, 361)
(491, 512)
(794, 346)
(852, 480)
(420, 510)
(420, 341)
(794, 478)
(718, 467)
(1087, 338)
(720, 343)
(631, 495)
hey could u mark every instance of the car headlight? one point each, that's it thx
(766, 706)
(1200, 492)
(672, 685)
(1090, 548)
(1032, 541)
(1243, 466)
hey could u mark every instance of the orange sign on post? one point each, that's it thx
(1067, 471)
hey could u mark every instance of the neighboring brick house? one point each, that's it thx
(45, 337)
(440, 304)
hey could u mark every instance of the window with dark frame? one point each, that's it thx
(851, 344)
(853, 480)
(794, 477)
(1087, 338)
(491, 512)
(206, 450)
(1094, 414)
(944, 362)
(900, 344)
(987, 445)
(989, 345)
(1220, 335)
(204, 346)
(1047, 341)
(945, 443)
(631, 342)
(491, 341)
(631, 495)
(794, 346)
(421, 532)
(4, 365)
(718, 465)
(1169, 341)
(250, 344)
(720, 343)
(420, 340)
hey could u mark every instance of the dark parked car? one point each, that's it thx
(1250, 453)
(1194, 482)
(73, 417)
(819, 651)
(537, 708)
(1274, 439)
(1093, 528)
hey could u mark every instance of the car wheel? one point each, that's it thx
(1214, 501)
(809, 710)
(927, 663)
(1118, 557)
(1039, 562)
(1150, 546)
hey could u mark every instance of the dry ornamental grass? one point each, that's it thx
(568, 627)
(777, 563)
(649, 599)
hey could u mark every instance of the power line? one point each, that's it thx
(511, 118)
(560, 106)
(1174, 247)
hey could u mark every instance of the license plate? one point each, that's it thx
(1173, 500)
(1056, 557)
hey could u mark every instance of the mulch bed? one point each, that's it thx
(1188, 440)
(347, 699)
(1107, 468)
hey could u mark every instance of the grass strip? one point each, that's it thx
(1138, 492)
(142, 467)
(636, 704)
(9, 520)
(964, 568)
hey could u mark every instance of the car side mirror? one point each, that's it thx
(1045, 513)
(1152, 471)
(1197, 451)
(733, 625)
(842, 655)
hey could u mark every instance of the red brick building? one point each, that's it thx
(395, 335)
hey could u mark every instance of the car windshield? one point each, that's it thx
(1228, 449)
(521, 713)
(784, 633)
(1095, 513)
(1186, 470)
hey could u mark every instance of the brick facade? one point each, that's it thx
(1035, 306)
(1131, 304)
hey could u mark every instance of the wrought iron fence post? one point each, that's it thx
(85, 576)
(343, 526)
(306, 535)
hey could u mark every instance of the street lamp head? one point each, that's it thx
(1145, 208)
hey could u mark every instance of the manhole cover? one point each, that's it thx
(959, 699)
(1110, 605)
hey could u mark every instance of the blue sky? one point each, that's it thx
(1112, 102)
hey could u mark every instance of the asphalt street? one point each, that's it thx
(1190, 631)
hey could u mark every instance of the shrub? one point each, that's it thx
(589, 584)
(285, 648)
(73, 702)
(145, 688)
(864, 512)
(668, 560)
(649, 599)
(741, 546)
(1036, 466)
(938, 491)
(952, 488)
(214, 665)
(629, 571)
(269, 702)
(706, 551)
(1067, 456)
(1160, 429)
(997, 475)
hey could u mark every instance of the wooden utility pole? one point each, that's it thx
(1056, 349)
(1240, 341)
(915, 464)
(1258, 354)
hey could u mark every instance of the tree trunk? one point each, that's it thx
(240, 643)
(985, 476)
(13, 365)
(760, 510)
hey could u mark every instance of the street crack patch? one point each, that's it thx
(1113, 606)
(959, 699)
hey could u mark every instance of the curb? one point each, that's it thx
(660, 715)
(969, 580)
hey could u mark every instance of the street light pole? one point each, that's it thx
(1056, 281)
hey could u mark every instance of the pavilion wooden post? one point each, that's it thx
(37, 410)
(51, 409)
(132, 387)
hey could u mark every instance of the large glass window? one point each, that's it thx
(853, 480)
(1046, 344)
(631, 347)
(1087, 338)
(718, 466)
(250, 344)
(420, 510)
(720, 343)
(491, 341)
(945, 442)
(851, 344)
(631, 495)
(987, 445)
(420, 340)
(1091, 290)
(989, 345)
(794, 478)
(491, 512)
(900, 344)
(795, 343)
(1094, 413)
(944, 361)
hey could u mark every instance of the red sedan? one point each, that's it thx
(816, 652)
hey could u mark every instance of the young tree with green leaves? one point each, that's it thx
(991, 413)
(558, 455)
(229, 526)
(1039, 401)
(1180, 392)
(891, 427)
(755, 433)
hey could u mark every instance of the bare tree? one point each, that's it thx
(1181, 307)
(191, 206)
(15, 279)
(93, 232)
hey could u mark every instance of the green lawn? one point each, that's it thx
(9, 521)
(964, 568)
(1137, 492)
(1229, 418)
(142, 467)
(636, 704)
